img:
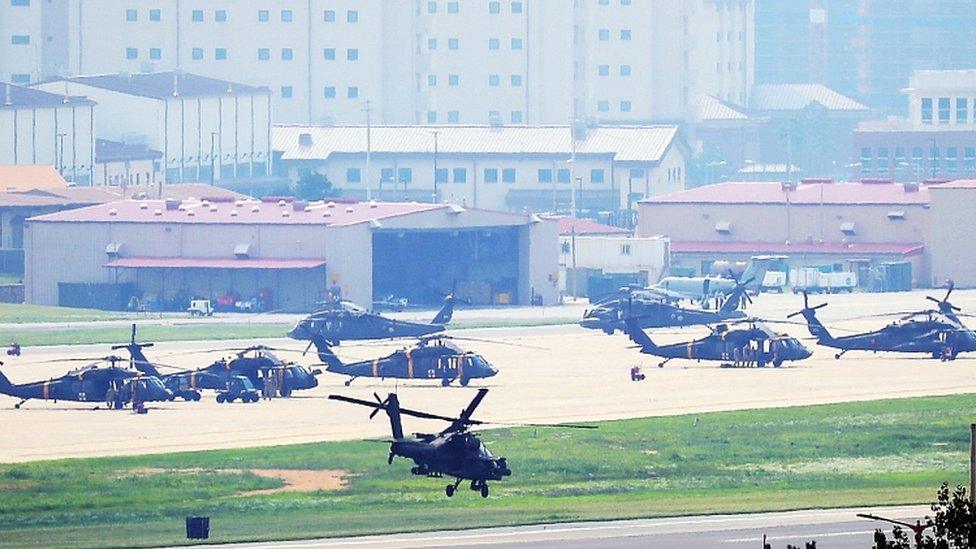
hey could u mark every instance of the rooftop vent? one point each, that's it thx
(172, 204)
(113, 211)
(282, 203)
(157, 212)
(255, 208)
(349, 209)
(239, 203)
(305, 139)
(723, 227)
(373, 204)
(233, 213)
(242, 251)
(213, 208)
(331, 204)
(285, 213)
(326, 213)
(143, 206)
(191, 213)
(848, 228)
(181, 208)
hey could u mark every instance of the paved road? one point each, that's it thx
(833, 529)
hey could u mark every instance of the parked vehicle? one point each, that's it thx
(200, 307)
(812, 280)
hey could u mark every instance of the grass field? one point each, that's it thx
(149, 332)
(882, 452)
(19, 313)
(10, 279)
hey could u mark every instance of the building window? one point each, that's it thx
(155, 15)
(970, 160)
(516, 43)
(220, 16)
(352, 16)
(132, 53)
(328, 16)
(493, 43)
(625, 249)
(493, 80)
(962, 110)
(155, 54)
(329, 54)
(20, 2)
(431, 117)
(452, 43)
(926, 110)
(353, 175)
(935, 156)
(596, 176)
(516, 80)
(131, 15)
(625, 106)
(952, 161)
(329, 92)
(624, 70)
(491, 174)
(220, 54)
(494, 7)
(624, 2)
(263, 16)
(545, 175)
(352, 92)
(452, 7)
(286, 92)
(516, 117)
(453, 117)
(440, 175)
(460, 175)
(352, 54)
(603, 106)
(20, 40)
(944, 107)
(562, 175)
(603, 70)
(386, 175)
(431, 7)
(516, 7)
(603, 34)
(625, 34)
(431, 43)
(883, 160)
(20, 78)
(917, 159)
(453, 80)
(196, 53)
(404, 175)
(432, 80)
(196, 16)
(508, 175)
(636, 173)
(287, 54)
(866, 159)
(287, 16)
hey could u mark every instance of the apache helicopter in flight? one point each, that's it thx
(347, 321)
(753, 343)
(938, 333)
(433, 357)
(454, 452)
(653, 312)
(112, 385)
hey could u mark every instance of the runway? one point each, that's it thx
(834, 529)
(582, 375)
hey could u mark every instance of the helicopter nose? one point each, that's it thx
(300, 331)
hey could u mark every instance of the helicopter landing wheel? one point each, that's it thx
(347, 382)
(446, 381)
(837, 356)
(465, 381)
(449, 490)
(484, 489)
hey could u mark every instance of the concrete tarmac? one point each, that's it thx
(583, 375)
(833, 528)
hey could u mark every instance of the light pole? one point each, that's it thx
(579, 202)
(60, 153)
(434, 197)
(213, 157)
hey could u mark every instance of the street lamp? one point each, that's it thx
(60, 153)
(213, 156)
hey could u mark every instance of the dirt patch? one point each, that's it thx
(295, 480)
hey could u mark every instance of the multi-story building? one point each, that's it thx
(542, 168)
(207, 129)
(421, 62)
(936, 141)
(37, 127)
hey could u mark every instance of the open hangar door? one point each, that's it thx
(477, 265)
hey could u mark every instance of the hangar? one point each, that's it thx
(284, 254)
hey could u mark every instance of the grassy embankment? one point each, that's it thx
(883, 452)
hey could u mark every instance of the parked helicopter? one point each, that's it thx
(112, 385)
(433, 357)
(454, 452)
(253, 362)
(345, 321)
(653, 312)
(938, 333)
(755, 343)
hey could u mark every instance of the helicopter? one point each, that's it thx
(251, 362)
(433, 357)
(454, 452)
(654, 312)
(754, 339)
(112, 385)
(938, 333)
(347, 321)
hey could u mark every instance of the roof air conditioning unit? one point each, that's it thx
(113, 250)
(242, 251)
(723, 227)
(848, 228)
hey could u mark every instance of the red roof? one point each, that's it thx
(773, 193)
(836, 248)
(239, 212)
(212, 263)
(586, 227)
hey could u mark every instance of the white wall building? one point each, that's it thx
(944, 99)
(196, 122)
(45, 128)
(493, 167)
(416, 61)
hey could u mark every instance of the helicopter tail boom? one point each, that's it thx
(325, 353)
(393, 410)
(5, 384)
(446, 313)
(639, 336)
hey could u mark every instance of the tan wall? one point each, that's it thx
(951, 245)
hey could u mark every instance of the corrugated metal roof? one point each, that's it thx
(29, 177)
(165, 85)
(831, 248)
(625, 143)
(212, 263)
(19, 97)
(794, 97)
(814, 193)
(713, 108)
(568, 225)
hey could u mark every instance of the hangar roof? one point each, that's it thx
(624, 143)
(164, 85)
(247, 212)
(812, 193)
(19, 97)
(568, 224)
(794, 97)
(30, 176)
(212, 263)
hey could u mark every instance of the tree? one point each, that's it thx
(954, 524)
(313, 186)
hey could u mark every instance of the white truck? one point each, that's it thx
(813, 281)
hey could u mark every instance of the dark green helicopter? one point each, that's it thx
(434, 357)
(454, 452)
(254, 363)
(752, 343)
(112, 385)
(345, 320)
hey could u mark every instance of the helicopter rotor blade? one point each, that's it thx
(506, 343)
(403, 411)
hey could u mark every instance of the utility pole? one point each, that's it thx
(572, 171)
(972, 462)
(213, 158)
(434, 197)
(369, 149)
(573, 277)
